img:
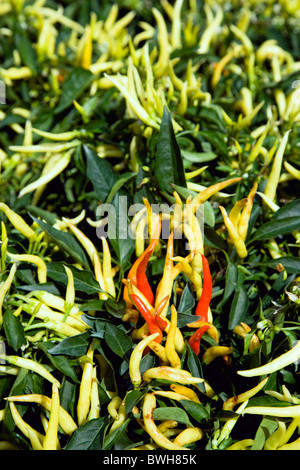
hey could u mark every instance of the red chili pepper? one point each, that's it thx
(162, 323)
(148, 317)
(204, 301)
(195, 339)
(137, 275)
(141, 278)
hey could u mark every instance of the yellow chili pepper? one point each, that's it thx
(135, 359)
(84, 399)
(220, 67)
(242, 397)
(292, 170)
(66, 421)
(163, 42)
(35, 436)
(274, 440)
(29, 364)
(120, 418)
(201, 197)
(258, 145)
(58, 164)
(70, 293)
(94, 412)
(170, 350)
(35, 259)
(242, 330)
(229, 425)
(295, 445)
(241, 445)
(39, 310)
(92, 253)
(210, 31)
(289, 433)
(280, 362)
(85, 48)
(246, 121)
(277, 411)
(50, 440)
(169, 373)
(273, 178)
(213, 332)
(235, 237)
(165, 286)
(4, 288)
(245, 216)
(18, 222)
(188, 436)
(185, 391)
(107, 271)
(170, 394)
(215, 351)
(158, 437)
(160, 351)
(113, 407)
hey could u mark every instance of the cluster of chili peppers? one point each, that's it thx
(144, 298)
(202, 308)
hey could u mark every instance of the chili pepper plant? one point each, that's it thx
(150, 227)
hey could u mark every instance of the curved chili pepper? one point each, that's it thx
(204, 301)
(159, 320)
(195, 339)
(141, 278)
(148, 317)
(137, 274)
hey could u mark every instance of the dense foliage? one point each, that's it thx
(154, 102)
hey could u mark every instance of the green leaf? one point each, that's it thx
(239, 304)
(187, 301)
(209, 215)
(25, 49)
(112, 438)
(196, 410)
(272, 229)
(213, 239)
(216, 139)
(118, 185)
(84, 280)
(72, 346)
(290, 209)
(65, 240)
(168, 162)
(231, 279)
(173, 413)
(278, 287)
(118, 340)
(198, 157)
(265, 429)
(132, 398)
(88, 436)
(60, 362)
(290, 263)
(75, 84)
(100, 172)
(14, 330)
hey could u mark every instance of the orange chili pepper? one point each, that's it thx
(137, 276)
(204, 301)
(159, 320)
(141, 278)
(148, 317)
(195, 339)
